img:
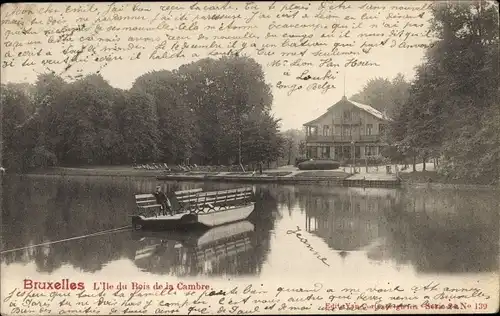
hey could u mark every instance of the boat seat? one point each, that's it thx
(147, 203)
(198, 201)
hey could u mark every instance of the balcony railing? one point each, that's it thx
(347, 121)
(343, 138)
(319, 138)
(370, 138)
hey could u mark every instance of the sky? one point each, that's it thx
(294, 110)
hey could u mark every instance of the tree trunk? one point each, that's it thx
(414, 163)
(424, 160)
(289, 155)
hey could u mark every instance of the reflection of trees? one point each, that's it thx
(264, 218)
(286, 195)
(442, 231)
(244, 254)
(38, 209)
(436, 230)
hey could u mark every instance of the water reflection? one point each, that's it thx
(347, 219)
(434, 231)
(42, 209)
(227, 249)
(443, 231)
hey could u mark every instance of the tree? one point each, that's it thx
(16, 108)
(292, 141)
(89, 129)
(383, 94)
(223, 112)
(261, 140)
(390, 97)
(201, 111)
(456, 91)
(170, 95)
(138, 126)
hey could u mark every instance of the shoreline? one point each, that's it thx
(327, 177)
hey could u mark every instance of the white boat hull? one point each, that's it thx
(226, 216)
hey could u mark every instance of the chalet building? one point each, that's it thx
(346, 126)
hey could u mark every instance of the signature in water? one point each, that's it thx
(306, 242)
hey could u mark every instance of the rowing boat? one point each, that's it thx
(199, 209)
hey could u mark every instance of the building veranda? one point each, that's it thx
(347, 127)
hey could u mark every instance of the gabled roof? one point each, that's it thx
(367, 108)
(318, 118)
(370, 109)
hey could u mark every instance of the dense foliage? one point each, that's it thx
(383, 94)
(293, 147)
(209, 111)
(387, 96)
(453, 109)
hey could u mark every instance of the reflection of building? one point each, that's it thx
(346, 126)
(346, 220)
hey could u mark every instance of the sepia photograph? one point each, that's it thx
(258, 157)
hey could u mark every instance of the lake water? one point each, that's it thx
(362, 234)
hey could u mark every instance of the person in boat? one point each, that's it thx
(161, 198)
(173, 204)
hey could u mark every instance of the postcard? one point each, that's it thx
(237, 158)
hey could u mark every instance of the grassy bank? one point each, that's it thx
(116, 171)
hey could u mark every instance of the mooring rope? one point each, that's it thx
(68, 239)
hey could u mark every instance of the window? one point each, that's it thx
(338, 152)
(369, 128)
(346, 131)
(347, 115)
(370, 151)
(326, 130)
(381, 128)
(312, 152)
(325, 152)
(357, 151)
(346, 152)
(338, 130)
(312, 131)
